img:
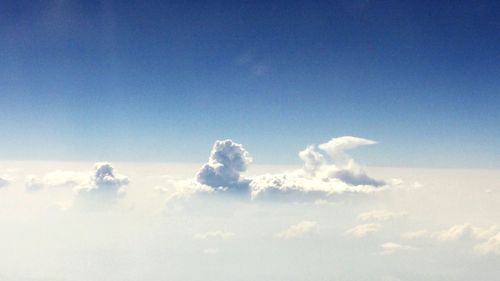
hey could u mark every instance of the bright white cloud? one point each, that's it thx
(320, 177)
(298, 230)
(336, 147)
(363, 230)
(227, 160)
(390, 248)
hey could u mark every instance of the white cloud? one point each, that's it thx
(214, 234)
(380, 215)
(363, 230)
(336, 147)
(391, 248)
(316, 180)
(319, 177)
(227, 160)
(104, 184)
(298, 230)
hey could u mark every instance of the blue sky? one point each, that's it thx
(94, 80)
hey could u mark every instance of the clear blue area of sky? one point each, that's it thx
(161, 80)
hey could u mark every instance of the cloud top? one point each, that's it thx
(327, 170)
(227, 160)
(104, 182)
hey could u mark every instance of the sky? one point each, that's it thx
(252, 141)
(160, 81)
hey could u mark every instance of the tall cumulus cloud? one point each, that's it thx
(226, 162)
(327, 170)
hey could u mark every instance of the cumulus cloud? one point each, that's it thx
(390, 248)
(214, 234)
(227, 160)
(380, 215)
(298, 230)
(363, 230)
(327, 170)
(104, 183)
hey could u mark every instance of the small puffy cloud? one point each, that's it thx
(312, 159)
(391, 248)
(104, 183)
(298, 230)
(214, 234)
(363, 230)
(227, 160)
(380, 215)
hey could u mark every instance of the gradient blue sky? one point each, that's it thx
(160, 81)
